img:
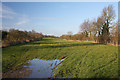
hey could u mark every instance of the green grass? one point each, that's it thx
(83, 59)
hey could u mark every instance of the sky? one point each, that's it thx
(51, 18)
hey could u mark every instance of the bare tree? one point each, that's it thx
(85, 26)
(115, 34)
(69, 33)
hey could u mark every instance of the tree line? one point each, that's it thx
(13, 37)
(102, 30)
(50, 36)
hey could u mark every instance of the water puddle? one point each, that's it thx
(42, 68)
(36, 68)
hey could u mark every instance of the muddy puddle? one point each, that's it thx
(36, 68)
(42, 68)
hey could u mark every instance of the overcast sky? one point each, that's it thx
(52, 18)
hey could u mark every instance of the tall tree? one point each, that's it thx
(70, 34)
(108, 15)
(115, 33)
(85, 26)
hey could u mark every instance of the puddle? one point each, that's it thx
(42, 68)
(36, 68)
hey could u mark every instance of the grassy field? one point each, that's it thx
(82, 59)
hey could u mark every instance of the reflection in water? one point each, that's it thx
(42, 68)
(36, 68)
